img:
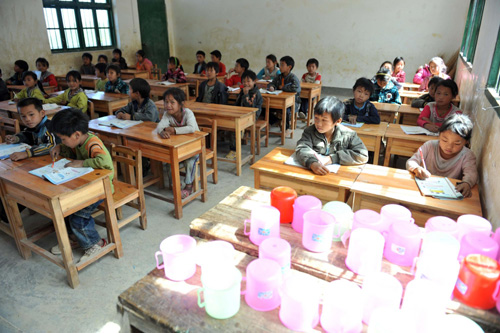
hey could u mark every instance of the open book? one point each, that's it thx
(50, 106)
(412, 130)
(292, 160)
(120, 123)
(438, 187)
(165, 83)
(276, 92)
(357, 125)
(59, 174)
(7, 149)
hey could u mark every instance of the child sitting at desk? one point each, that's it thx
(435, 113)
(425, 99)
(33, 88)
(312, 76)
(143, 63)
(118, 59)
(239, 68)
(359, 108)
(201, 65)
(179, 120)
(20, 66)
(115, 84)
(46, 77)
(388, 65)
(102, 59)
(398, 73)
(100, 72)
(141, 107)
(4, 92)
(87, 67)
(216, 57)
(86, 150)
(448, 156)
(328, 141)
(436, 67)
(74, 96)
(271, 70)
(175, 73)
(384, 90)
(212, 90)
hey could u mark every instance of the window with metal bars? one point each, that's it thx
(76, 25)
(471, 32)
(493, 91)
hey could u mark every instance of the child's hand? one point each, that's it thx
(117, 91)
(19, 156)
(271, 89)
(266, 77)
(167, 132)
(319, 169)
(352, 119)
(119, 115)
(11, 139)
(464, 188)
(171, 80)
(126, 116)
(74, 164)
(432, 127)
(55, 152)
(421, 173)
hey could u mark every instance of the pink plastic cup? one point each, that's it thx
(467, 223)
(369, 219)
(301, 205)
(264, 223)
(318, 230)
(496, 238)
(402, 243)
(366, 248)
(263, 281)
(443, 224)
(393, 213)
(380, 290)
(277, 249)
(478, 243)
(342, 307)
(178, 254)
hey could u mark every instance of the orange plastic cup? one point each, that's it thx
(283, 197)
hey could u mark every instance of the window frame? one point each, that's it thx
(493, 83)
(472, 28)
(77, 5)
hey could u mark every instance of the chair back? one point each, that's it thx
(208, 125)
(156, 72)
(132, 160)
(8, 126)
(90, 109)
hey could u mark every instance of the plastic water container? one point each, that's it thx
(380, 290)
(402, 243)
(343, 215)
(443, 224)
(365, 252)
(468, 223)
(263, 283)
(478, 243)
(369, 219)
(264, 223)
(437, 244)
(282, 198)
(342, 307)
(277, 249)
(318, 230)
(393, 213)
(178, 254)
(301, 205)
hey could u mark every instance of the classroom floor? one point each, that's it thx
(35, 295)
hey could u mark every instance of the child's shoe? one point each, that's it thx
(302, 115)
(186, 191)
(93, 250)
(231, 155)
(72, 241)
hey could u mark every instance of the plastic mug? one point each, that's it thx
(478, 243)
(443, 224)
(467, 223)
(496, 238)
(393, 213)
(342, 307)
(365, 251)
(438, 244)
(283, 197)
(440, 270)
(277, 249)
(215, 253)
(318, 230)
(402, 243)
(380, 290)
(301, 205)
(264, 223)
(369, 219)
(343, 215)
(263, 279)
(221, 293)
(178, 254)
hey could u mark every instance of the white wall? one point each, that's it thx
(24, 36)
(349, 38)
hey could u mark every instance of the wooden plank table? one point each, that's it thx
(407, 115)
(411, 86)
(311, 92)
(18, 88)
(387, 111)
(371, 135)
(127, 74)
(88, 81)
(407, 96)
(159, 89)
(106, 103)
(270, 171)
(56, 202)
(377, 186)
(196, 79)
(282, 102)
(399, 143)
(10, 111)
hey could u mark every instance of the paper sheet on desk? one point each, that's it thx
(7, 149)
(416, 130)
(292, 160)
(276, 92)
(51, 106)
(165, 83)
(233, 89)
(120, 123)
(59, 174)
(357, 125)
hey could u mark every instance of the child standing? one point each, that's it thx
(175, 71)
(436, 67)
(271, 70)
(435, 113)
(385, 91)
(399, 73)
(100, 72)
(328, 141)
(448, 156)
(33, 88)
(312, 76)
(74, 96)
(86, 150)
(118, 59)
(179, 120)
(4, 92)
(143, 63)
(359, 108)
(425, 99)
(211, 90)
(46, 77)
(201, 65)
(115, 84)
(87, 67)
(20, 66)
(141, 107)
(216, 57)
(239, 68)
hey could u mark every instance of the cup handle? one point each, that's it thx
(497, 291)
(412, 220)
(200, 303)
(157, 263)
(243, 292)
(412, 271)
(245, 227)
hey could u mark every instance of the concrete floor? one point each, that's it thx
(35, 295)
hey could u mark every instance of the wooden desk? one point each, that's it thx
(88, 81)
(262, 84)
(127, 74)
(105, 102)
(377, 186)
(18, 88)
(270, 171)
(408, 96)
(407, 115)
(10, 111)
(108, 135)
(399, 143)
(196, 79)
(159, 89)
(310, 91)
(56, 202)
(371, 135)
(411, 86)
(282, 102)
(387, 111)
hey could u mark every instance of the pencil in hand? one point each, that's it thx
(422, 157)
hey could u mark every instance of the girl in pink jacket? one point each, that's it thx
(436, 67)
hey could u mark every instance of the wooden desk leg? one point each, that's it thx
(356, 202)
(252, 143)
(283, 124)
(176, 183)
(376, 153)
(293, 119)
(203, 170)
(16, 227)
(237, 129)
(196, 90)
(309, 110)
(256, 179)
(111, 223)
(387, 157)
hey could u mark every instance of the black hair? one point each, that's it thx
(87, 55)
(74, 74)
(435, 80)
(449, 83)
(364, 83)
(387, 62)
(331, 105)
(396, 61)
(272, 57)
(38, 83)
(176, 93)
(250, 74)
(141, 86)
(105, 57)
(383, 74)
(115, 68)
(243, 63)
(217, 54)
(141, 53)
(68, 121)
(101, 67)
(22, 64)
(459, 124)
(117, 51)
(43, 61)
(201, 52)
(288, 61)
(30, 101)
(213, 65)
(176, 62)
(312, 61)
(0, 71)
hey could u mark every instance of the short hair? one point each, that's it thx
(22, 64)
(175, 61)
(30, 73)
(68, 121)
(331, 105)
(440, 63)
(114, 67)
(201, 52)
(288, 61)
(387, 62)
(243, 63)
(435, 80)
(74, 74)
(383, 74)
(105, 57)
(312, 61)
(449, 83)
(364, 83)
(141, 53)
(272, 57)
(43, 61)
(141, 86)
(87, 55)
(217, 54)
(249, 74)
(176, 93)
(459, 124)
(117, 51)
(101, 67)
(213, 65)
(397, 60)
(30, 101)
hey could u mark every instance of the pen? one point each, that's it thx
(53, 160)
(422, 157)
(318, 157)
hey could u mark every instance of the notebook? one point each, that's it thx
(120, 123)
(357, 125)
(415, 130)
(59, 174)
(292, 160)
(276, 92)
(7, 149)
(439, 188)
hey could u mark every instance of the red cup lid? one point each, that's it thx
(482, 265)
